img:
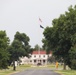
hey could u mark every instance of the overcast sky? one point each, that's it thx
(23, 16)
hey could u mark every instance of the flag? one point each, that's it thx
(41, 26)
(40, 20)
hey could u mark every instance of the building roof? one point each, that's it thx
(39, 52)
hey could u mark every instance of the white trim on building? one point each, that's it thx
(36, 58)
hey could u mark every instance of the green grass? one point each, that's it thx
(67, 72)
(6, 72)
(10, 70)
(52, 66)
(61, 71)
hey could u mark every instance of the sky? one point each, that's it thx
(23, 16)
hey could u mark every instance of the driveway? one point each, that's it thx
(35, 71)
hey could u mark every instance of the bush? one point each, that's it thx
(73, 64)
(72, 57)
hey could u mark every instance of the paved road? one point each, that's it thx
(37, 72)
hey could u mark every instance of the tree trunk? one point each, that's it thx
(14, 67)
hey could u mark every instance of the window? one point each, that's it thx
(43, 61)
(34, 61)
(44, 56)
(39, 56)
(30, 60)
(35, 56)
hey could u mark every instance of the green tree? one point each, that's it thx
(61, 37)
(46, 46)
(19, 47)
(4, 55)
(24, 39)
(37, 47)
(72, 55)
(16, 51)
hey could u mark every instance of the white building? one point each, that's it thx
(37, 58)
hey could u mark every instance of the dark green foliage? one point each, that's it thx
(24, 40)
(72, 55)
(19, 47)
(51, 59)
(4, 55)
(62, 36)
(73, 64)
(36, 47)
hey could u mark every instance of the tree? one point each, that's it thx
(4, 55)
(37, 47)
(46, 46)
(51, 59)
(24, 39)
(19, 47)
(61, 37)
(72, 55)
(16, 51)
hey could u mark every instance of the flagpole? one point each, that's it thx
(42, 28)
(39, 46)
(39, 50)
(40, 21)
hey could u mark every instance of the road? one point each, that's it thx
(34, 71)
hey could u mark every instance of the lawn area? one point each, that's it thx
(61, 71)
(53, 67)
(10, 70)
(67, 72)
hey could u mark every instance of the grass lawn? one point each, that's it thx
(52, 66)
(61, 71)
(10, 70)
(67, 72)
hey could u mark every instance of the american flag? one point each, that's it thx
(40, 23)
(40, 20)
(41, 26)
